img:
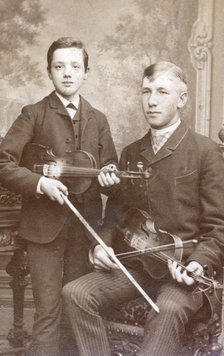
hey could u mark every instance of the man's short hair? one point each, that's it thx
(67, 42)
(155, 69)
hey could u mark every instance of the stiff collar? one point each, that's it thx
(175, 139)
(65, 102)
(170, 129)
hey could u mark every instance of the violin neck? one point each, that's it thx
(162, 257)
(53, 171)
(56, 171)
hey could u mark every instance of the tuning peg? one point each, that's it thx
(140, 166)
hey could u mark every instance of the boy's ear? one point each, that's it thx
(86, 73)
(182, 100)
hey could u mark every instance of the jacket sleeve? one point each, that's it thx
(115, 207)
(210, 249)
(107, 151)
(14, 177)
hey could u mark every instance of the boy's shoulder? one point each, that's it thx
(87, 107)
(40, 102)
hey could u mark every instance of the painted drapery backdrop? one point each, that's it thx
(121, 38)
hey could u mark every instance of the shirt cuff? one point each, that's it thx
(38, 190)
(91, 254)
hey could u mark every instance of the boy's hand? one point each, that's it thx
(53, 189)
(107, 179)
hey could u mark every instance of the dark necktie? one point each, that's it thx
(73, 111)
(71, 106)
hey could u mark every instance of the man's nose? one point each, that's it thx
(152, 100)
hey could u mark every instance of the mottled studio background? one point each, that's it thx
(122, 37)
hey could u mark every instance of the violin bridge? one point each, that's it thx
(51, 171)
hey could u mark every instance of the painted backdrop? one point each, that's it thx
(121, 38)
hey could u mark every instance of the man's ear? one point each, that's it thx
(49, 73)
(182, 100)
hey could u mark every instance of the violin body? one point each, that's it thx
(138, 233)
(70, 168)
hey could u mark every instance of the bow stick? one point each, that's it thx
(112, 256)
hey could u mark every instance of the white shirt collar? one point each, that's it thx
(169, 129)
(65, 102)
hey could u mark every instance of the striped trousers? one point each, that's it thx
(87, 297)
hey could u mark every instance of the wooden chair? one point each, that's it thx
(10, 206)
(125, 329)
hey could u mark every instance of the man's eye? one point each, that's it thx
(58, 67)
(163, 92)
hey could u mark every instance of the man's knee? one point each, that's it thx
(78, 294)
(69, 291)
(170, 307)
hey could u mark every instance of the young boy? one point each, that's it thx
(57, 247)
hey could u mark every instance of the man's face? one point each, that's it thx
(161, 98)
(67, 71)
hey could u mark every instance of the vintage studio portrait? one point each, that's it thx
(111, 178)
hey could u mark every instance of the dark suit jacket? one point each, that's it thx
(185, 194)
(47, 123)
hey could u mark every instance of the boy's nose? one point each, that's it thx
(67, 72)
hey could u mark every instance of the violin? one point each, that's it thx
(143, 242)
(75, 169)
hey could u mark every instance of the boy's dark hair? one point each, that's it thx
(67, 42)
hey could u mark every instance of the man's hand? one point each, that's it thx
(101, 260)
(53, 189)
(182, 276)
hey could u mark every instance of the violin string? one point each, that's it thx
(81, 170)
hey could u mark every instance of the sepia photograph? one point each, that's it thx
(111, 178)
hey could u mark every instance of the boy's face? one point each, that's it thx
(161, 98)
(67, 71)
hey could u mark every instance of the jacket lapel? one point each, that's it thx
(168, 148)
(146, 150)
(86, 114)
(86, 111)
(56, 104)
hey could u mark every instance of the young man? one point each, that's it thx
(184, 196)
(57, 247)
